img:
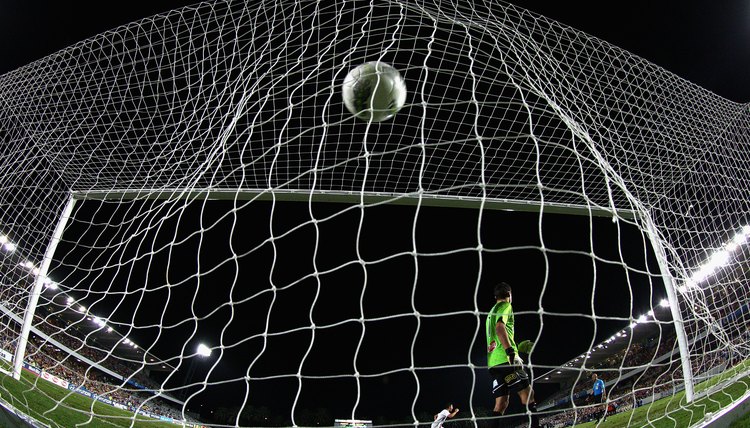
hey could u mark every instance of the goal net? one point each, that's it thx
(194, 229)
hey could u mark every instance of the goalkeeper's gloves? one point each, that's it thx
(513, 358)
(525, 346)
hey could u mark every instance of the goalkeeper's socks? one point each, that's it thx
(534, 415)
(498, 419)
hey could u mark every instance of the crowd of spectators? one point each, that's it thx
(46, 356)
(649, 378)
(635, 356)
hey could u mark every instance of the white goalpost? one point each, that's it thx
(39, 282)
(196, 229)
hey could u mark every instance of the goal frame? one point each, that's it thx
(366, 198)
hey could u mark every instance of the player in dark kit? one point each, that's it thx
(506, 367)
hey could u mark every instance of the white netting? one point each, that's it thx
(222, 194)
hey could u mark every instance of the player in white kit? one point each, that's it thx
(444, 414)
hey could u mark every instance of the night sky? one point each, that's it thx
(706, 42)
(576, 287)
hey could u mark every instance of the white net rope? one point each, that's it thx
(224, 195)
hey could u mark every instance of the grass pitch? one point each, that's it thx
(59, 407)
(675, 412)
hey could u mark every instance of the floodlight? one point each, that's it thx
(664, 303)
(719, 259)
(739, 239)
(203, 350)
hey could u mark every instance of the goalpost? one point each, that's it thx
(39, 282)
(194, 178)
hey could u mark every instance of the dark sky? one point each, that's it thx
(707, 43)
(575, 287)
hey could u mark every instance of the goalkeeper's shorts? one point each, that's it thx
(507, 378)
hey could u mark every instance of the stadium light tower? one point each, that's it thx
(202, 351)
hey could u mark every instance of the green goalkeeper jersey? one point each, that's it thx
(502, 311)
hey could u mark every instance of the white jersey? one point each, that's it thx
(441, 417)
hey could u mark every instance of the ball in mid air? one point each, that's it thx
(374, 91)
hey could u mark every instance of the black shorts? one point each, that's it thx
(507, 379)
(599, 398)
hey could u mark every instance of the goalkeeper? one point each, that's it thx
(506, 367)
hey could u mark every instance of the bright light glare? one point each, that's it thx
(69, 300)
(719, 259)
(739, 239)
(664, 303)
(633, 324)
(746, 230)
(3, 239)
(642, 318)
(9, 246)
(699, 276)
(203, 350)
(650, 313)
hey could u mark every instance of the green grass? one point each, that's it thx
(58, 407)
(743, 422)
(674, 412)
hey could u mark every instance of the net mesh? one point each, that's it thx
(224, 195)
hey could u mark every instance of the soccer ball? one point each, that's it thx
(374, 91)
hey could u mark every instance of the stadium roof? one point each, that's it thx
(105, 339)
(658, 324)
